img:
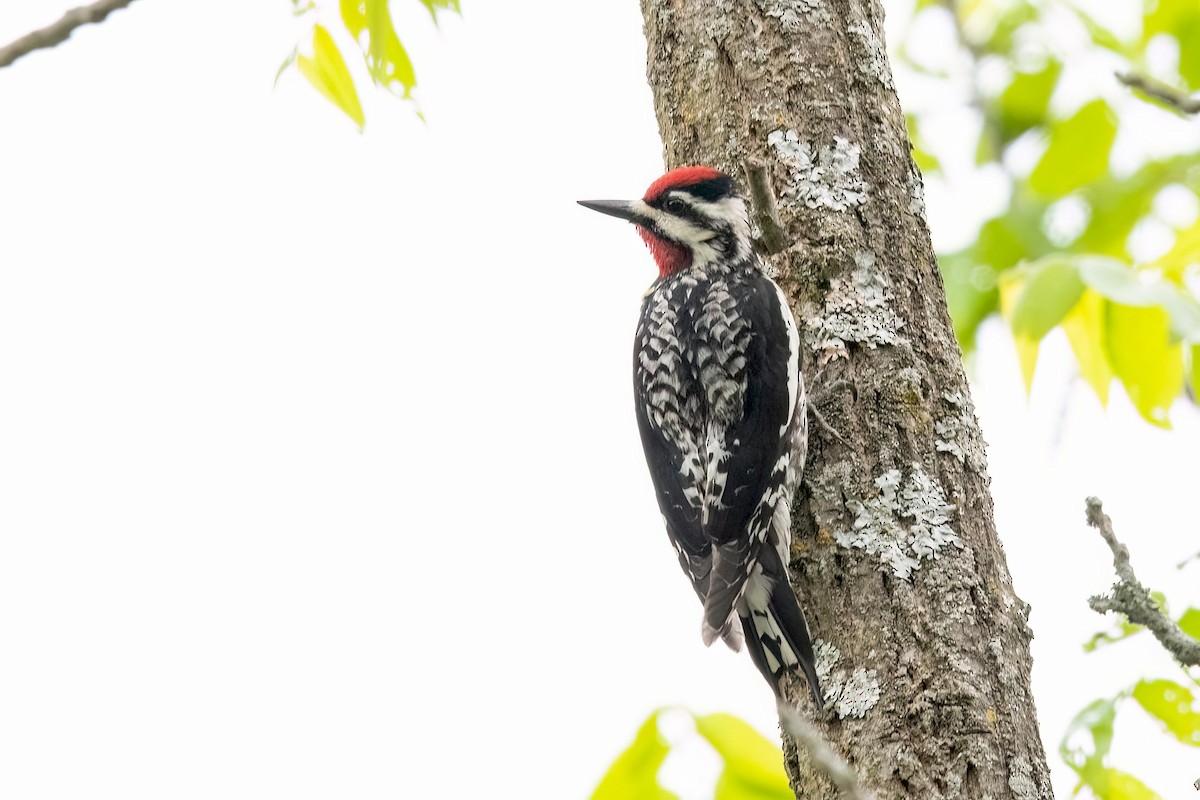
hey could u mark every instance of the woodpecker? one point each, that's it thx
(722, 413)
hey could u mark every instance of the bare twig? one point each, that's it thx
(773, 237)
(832, 431)
(1131, 598)
(1181, 101)
(819, 393)
(821, 753)
(60, 30)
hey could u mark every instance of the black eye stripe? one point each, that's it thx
(710, 191)
(688, 212)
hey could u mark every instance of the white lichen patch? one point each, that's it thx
(850, 694)
(956, 432)
(948, 432)
(1020, 779)
(875, 65)
(916, 193)
(790, 12)
(827, 177)
(827, 657)
(859, 694)
(904, 524)
(856, 310)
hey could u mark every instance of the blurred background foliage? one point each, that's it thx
(1171, 702)
(1089, 184)
(751, 767)
(365, 30)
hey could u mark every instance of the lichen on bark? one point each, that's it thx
(932, 666)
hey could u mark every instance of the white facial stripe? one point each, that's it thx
(729, 210)
(728, 213)
(681, 230)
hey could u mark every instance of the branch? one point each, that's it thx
(821, 754)
(774, 238)
(59, 31)
(1131, 598)
(1176, 99)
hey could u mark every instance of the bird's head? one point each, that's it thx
(690, 217)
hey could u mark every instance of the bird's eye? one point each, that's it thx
(674, 205)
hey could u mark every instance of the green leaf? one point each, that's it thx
(1124, 630)
(1004, 19)
(1184, 254)
(1138, 345)
(1188, 35)
(987, 146)
(1078, 151)
(327, 72)
(1190, 622)
(1173, 705)
(753, 765)
(1005, 241)
(926, 161)
(1027, 348)
(1113, 784)
(1088, 762)
(1023, 104)
(1027, 356)
(1116, 280)
(1097, 720)
(387, 60)
(970, 293)
(1195, 373)
(287, 62)
(635, 772)
(1130, 287)
(1051, 288)
(1168, 16)
(436, 6)
(1084, 327)
(1102, 36)
(1119, 203)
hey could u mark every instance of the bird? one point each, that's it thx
(721, 410)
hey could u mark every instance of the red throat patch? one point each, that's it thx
(670, 256)
(680, 176)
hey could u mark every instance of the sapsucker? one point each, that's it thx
(722, 413)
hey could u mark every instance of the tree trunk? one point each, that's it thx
(922, 644)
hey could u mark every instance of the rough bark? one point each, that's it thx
(924, 647)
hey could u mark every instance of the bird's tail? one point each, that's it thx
(776, 632)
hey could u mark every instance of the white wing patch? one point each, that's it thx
(793, 354)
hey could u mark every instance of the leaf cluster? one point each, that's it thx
(371, 31)
(1085, 189)
(752, 767)
(1173, 703)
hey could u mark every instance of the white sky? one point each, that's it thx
(318, 472)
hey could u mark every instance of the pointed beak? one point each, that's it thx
(621, 209)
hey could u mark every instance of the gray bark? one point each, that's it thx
(923, 646)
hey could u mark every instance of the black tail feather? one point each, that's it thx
(789, 619)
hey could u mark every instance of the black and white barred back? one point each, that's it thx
(722, 414)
